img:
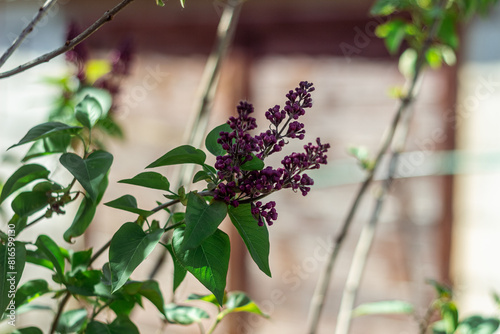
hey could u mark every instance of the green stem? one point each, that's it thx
(35, 221)
(210, 331)
(60, 309)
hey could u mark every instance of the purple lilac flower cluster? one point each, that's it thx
(239, 184)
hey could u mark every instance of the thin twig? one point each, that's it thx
(319, 296)
(365, 241)
(106, 17)
(27, 30)
(59, 312)
(208, 86)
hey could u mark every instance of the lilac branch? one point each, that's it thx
(27, 30)
(106, 17)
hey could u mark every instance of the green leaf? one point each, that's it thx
(128, 203)
(101, 95)
(211, 141)
(123, 325)
(393, 33)
(123, 306)
(433, 57)
(240, 302)
(18, 222)
(49, 145)
(384, 7)
(85, 213)
(160, 3)
(256, 237)
(208, 263)
(254, 164)
(201, 176)
(148, 289)
(28, 203)
(179, 271)
(12, 261)
(38, 258)
(53, 253)
(447, 31)
(439, 327)
(384, 307)
(184, 315)
(407, 63)
(202, 220)
(84, 282)
(90, 171)
(71, 321)
(442, 290)
(477, 324)
(28, 330)
(46, 130)
(31, 290)
(96, 327)
(88, 111)
(129, 247)
(23, 176)
(80, 260)
(206, 298)
(182, 3)
(180, 155)
(149, 180)
(449, 313)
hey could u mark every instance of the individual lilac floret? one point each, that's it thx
(239, 185)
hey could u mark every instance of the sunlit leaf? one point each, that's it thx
(45, 130)
(23, 176)
(184, 315)
(185, 154)
(130, 245)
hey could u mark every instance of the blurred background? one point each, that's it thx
(441, 218)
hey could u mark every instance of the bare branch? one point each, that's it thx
(106, 17)
(319, 296)
(27, 30)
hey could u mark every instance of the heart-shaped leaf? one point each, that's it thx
(22, 177)
(28, 203)
(129, 247)
(88, 111)
(128, 203)
(208, 262)
(46, 130)
(256, 237)
(185, 154)
(151, 180)
(90, 171)
(202, 220)
(211, 141)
